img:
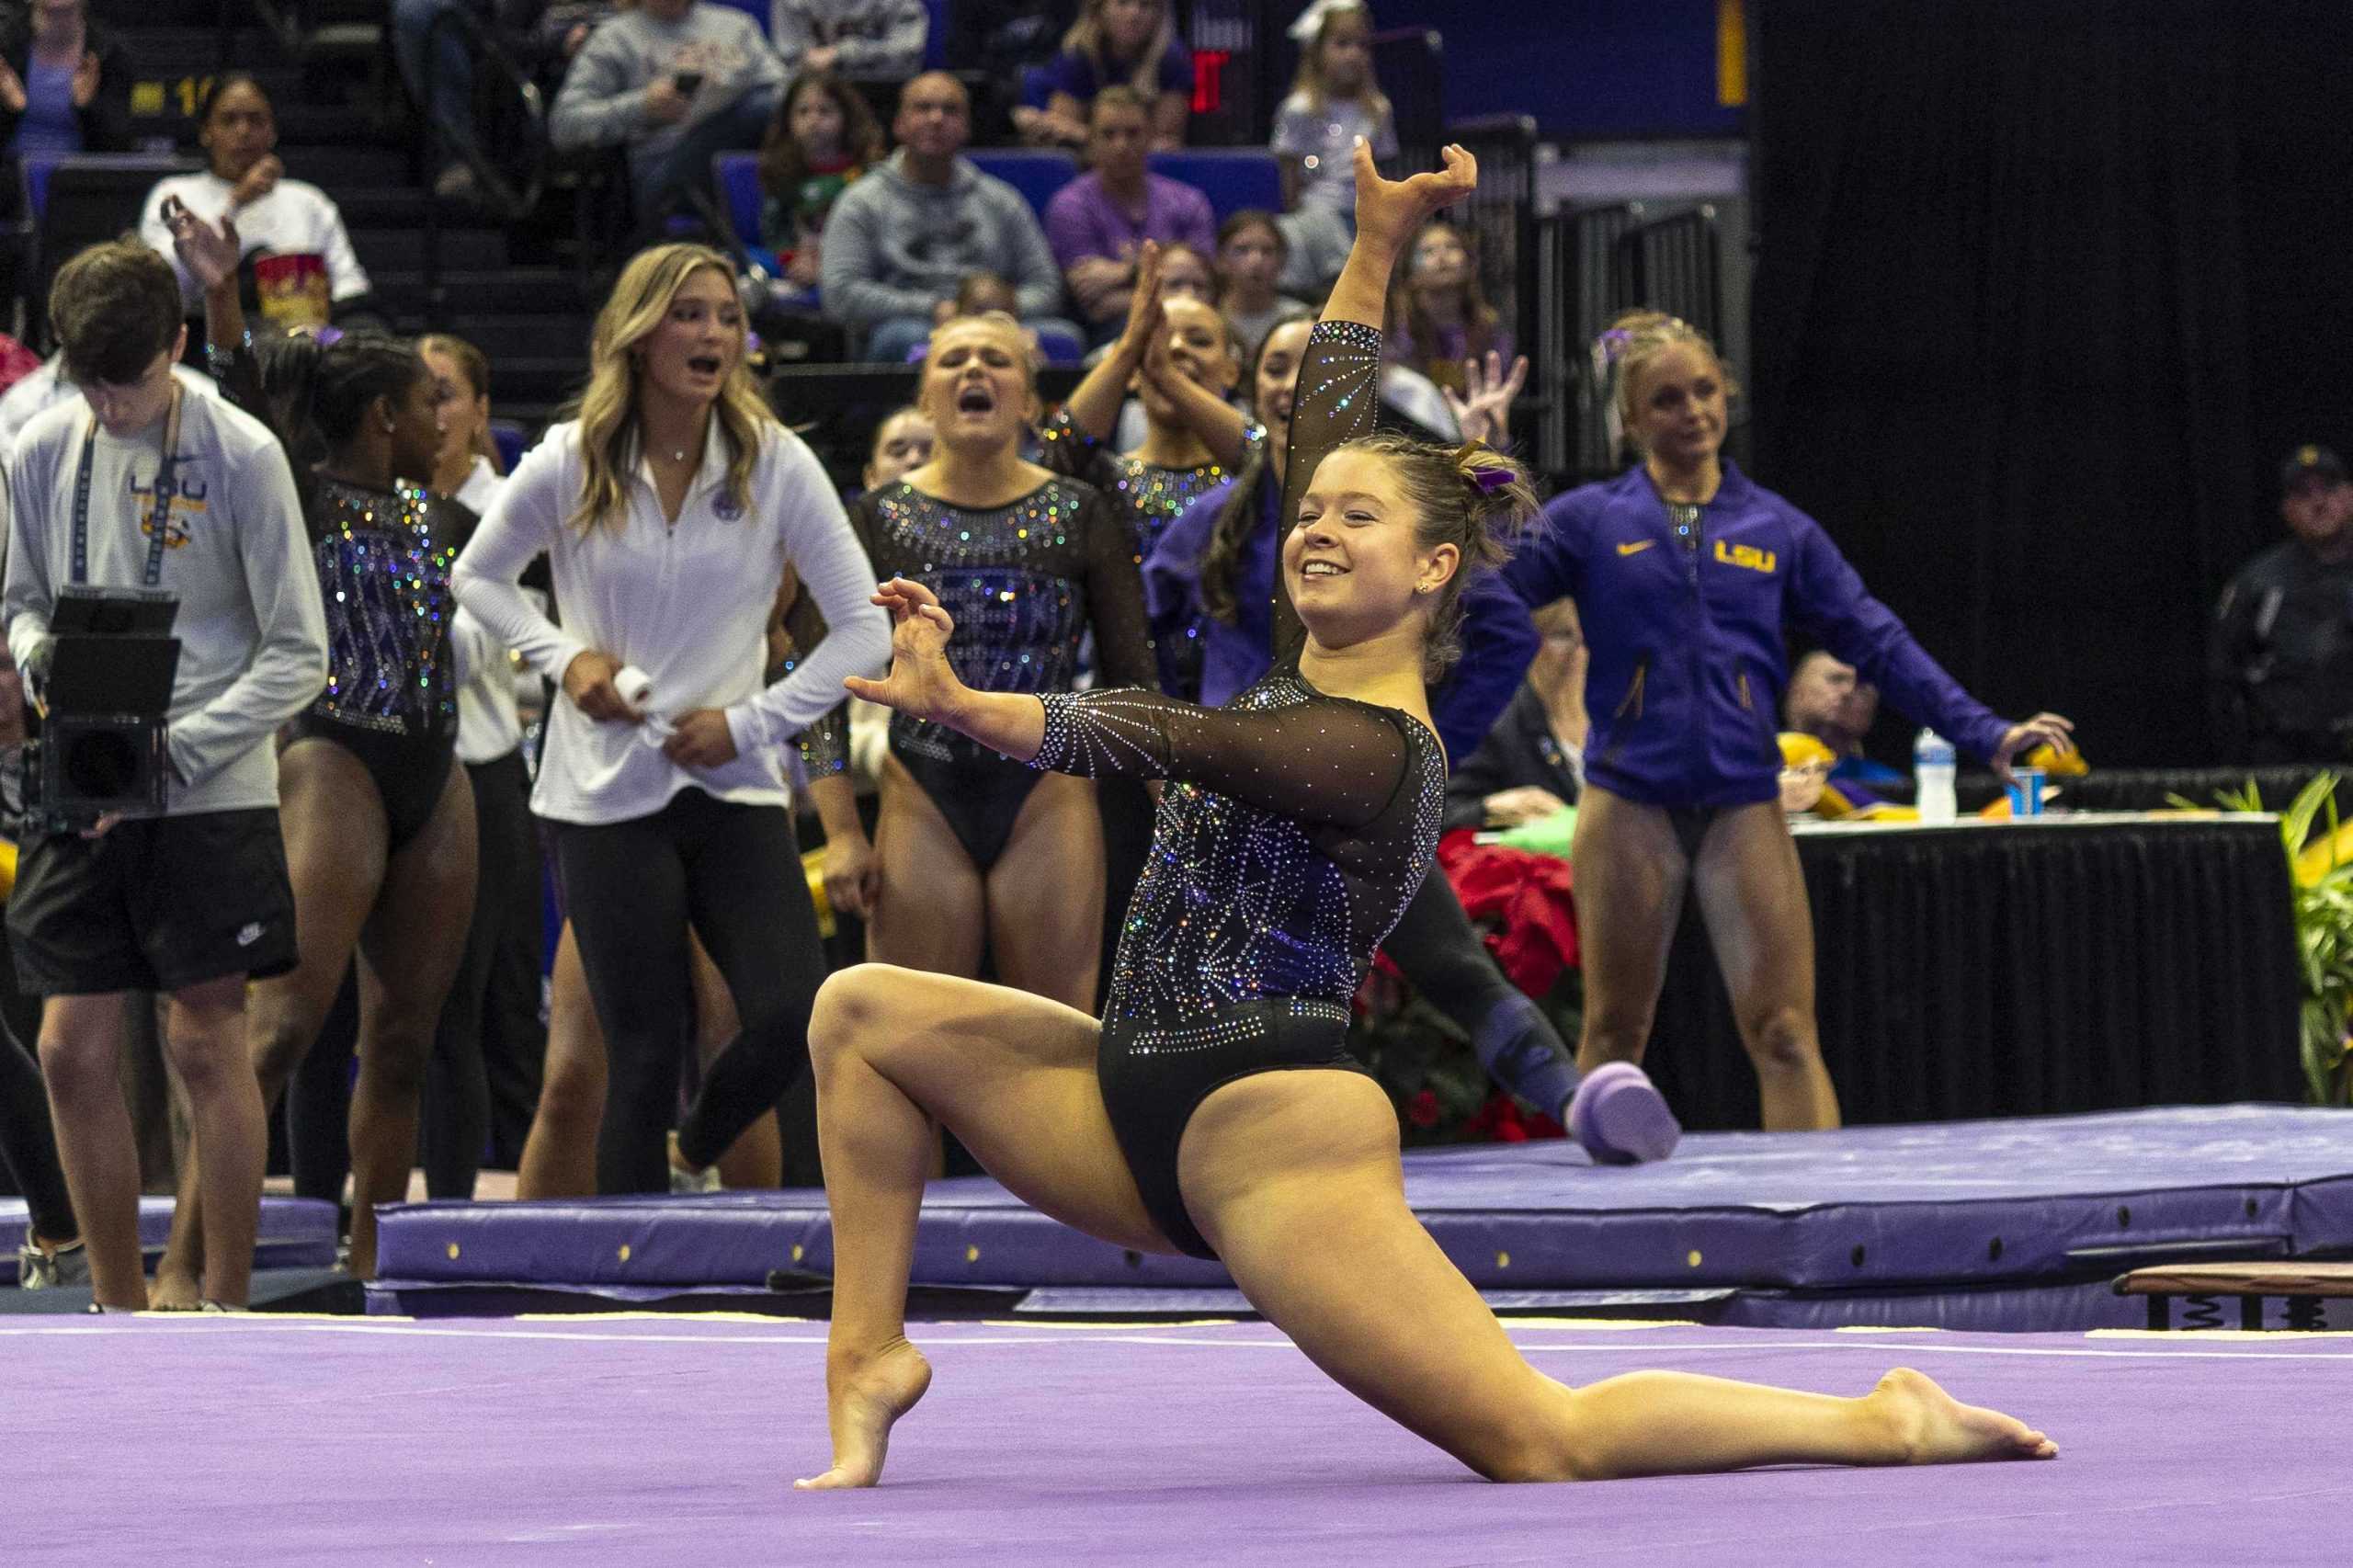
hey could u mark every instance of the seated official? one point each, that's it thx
(1828, 701)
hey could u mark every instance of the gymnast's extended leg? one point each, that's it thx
(1294, 1177)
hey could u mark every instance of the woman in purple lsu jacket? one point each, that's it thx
(1686, 573)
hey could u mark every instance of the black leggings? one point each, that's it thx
(732, 873)
(1442, 958)
(490, 1045)
(28, 1143)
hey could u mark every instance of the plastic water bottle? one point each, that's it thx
(1934, 762)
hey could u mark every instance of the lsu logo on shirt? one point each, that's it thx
(188, 505)
(1747, 557)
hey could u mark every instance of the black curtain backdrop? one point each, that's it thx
(2045, 289)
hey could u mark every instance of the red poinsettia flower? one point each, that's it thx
(1422, 1110)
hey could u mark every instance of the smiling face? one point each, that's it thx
(903, 444)
(1678, 406)
(699, 341)
(815, 120)
(1199, 348)
(1277, 381)
(977, 388)
(239, 131)
(1352, 563)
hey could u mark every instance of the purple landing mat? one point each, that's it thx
(2021, 1200)
(621, 1442)
(296, 1232)
(1984, 1308)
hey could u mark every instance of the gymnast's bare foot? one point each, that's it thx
(1933, 1427)
(863, 1396)
(174, 1292)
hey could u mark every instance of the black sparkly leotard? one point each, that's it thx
(383, 559)
(1024, 582)
(1295, 829)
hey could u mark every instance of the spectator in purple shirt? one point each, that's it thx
(1098, 223)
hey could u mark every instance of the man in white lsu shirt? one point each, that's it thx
(139, 482)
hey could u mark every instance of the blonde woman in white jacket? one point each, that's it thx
(670, 511)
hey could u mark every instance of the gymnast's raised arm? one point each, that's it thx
(1340, 375)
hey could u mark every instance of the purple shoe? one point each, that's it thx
(1621, 1117)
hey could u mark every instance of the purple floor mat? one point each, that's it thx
(296, 1232)
(629, 1442)
(2031, 1199)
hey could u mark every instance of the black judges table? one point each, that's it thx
(2075, 962)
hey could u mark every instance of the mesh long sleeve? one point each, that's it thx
(1323, 760)
(1339, 381)
(1123, 649)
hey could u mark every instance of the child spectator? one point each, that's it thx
(1442, 314)
(1251, 256)
(1333, 101)
(822, 137)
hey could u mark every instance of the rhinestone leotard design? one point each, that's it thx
(383, 561)
(384, 558)
(1295, 828)
(1147, 496)
(1024, 583)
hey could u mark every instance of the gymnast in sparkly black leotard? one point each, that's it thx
(378, 816)
(1299, 822)
(974, 853)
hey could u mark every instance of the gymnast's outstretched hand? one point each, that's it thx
(921, 684)
(1392, 210)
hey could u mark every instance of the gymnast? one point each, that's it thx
(377, 811)
(977, 851)
(1683, 619)
(1214, 1111)
(1210, 583)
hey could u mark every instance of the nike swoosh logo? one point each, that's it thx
(1636, 548)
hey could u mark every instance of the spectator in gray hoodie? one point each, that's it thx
(673, 81)
(899, 241)
(850, 38)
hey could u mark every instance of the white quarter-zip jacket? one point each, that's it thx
(685, 602)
